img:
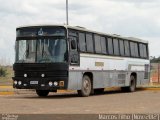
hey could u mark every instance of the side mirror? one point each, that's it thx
(73, 44)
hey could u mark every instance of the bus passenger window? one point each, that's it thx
(110, 46)
(121, 45)
(103, 45)
(134, 49)
(82, 42)
(126, 47)
(89, 42)
(97, 41)
(143, 50)
(116, 47)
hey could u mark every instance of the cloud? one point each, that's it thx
(136, 18)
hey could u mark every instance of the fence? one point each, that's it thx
(155, 73)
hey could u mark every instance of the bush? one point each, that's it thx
(3, 72)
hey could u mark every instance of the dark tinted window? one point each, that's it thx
(89, 42)
(110, 46)
(134, 49)
(116, 47)
(126, 47)
(97, 40)
(121, 45)
(143, 50)
(82, 42)
(103, 45)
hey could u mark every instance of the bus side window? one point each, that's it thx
(121, 45)
(110, 46)
(74, 56)
(134, 49)
(97, 40)
(127, 49)
(116, 46)
(89, 42)
(104, 45)
(143, 50)
(82, 42)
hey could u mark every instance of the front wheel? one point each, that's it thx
(42, 93)
(86, 87)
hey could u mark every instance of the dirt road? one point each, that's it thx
(69, 103)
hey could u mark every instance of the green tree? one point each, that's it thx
(155, 60)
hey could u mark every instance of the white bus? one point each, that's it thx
(53, 57)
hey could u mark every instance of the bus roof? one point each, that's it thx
(87, 30)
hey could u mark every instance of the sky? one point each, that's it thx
(129, 18)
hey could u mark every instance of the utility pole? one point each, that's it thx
(67, 12)
(158, 72)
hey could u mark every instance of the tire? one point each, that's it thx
(132, 86)
(99, 91)
(42, 93)
(86, 87)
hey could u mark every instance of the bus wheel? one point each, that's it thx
(86, 87)
(42, 93)
(132, 86)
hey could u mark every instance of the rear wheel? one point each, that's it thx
(132, 86)
(42, 93)
(86, 87)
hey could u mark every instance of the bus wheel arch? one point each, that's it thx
(87, 78)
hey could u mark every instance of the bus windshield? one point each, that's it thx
(48, 50)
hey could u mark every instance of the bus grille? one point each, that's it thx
(38, 74)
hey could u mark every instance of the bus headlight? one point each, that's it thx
(25, 75)
(42, 75)
(15, 82)
(50, 84)
(19, 82)
(55, 83)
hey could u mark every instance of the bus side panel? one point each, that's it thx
(108, 71)
(98, 79)
(142, 72)
(75, 80)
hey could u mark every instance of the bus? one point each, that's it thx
(54, 57)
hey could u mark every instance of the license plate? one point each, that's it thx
(33, 82)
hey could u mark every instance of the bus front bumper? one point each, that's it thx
(40, 83)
